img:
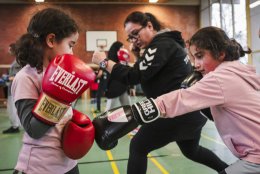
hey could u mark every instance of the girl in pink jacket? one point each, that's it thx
(230, 89)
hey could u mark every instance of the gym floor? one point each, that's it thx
(167, 160)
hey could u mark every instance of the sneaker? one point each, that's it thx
(11, 130)
(97, 111)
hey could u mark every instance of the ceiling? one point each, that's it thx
(165, 2)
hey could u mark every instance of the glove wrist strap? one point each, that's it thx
(50, 110)
(147, 111)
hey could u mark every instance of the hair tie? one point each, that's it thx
(35, 35)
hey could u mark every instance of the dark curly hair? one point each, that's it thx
(30, 46)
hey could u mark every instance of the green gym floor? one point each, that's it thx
(167, 160)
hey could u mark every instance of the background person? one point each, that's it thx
(117, 92)
(12, 112)
(102, 80)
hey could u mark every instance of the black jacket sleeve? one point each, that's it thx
(33, 127)
(153, 60)
(126, 74)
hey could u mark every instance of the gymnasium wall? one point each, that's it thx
(93, 17)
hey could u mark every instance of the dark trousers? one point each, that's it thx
(100, 93)
(184, 130)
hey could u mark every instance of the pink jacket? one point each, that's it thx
(44, 155)
(232, 93)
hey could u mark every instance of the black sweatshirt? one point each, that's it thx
(161, 69)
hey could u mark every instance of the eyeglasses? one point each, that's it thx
(134, 35)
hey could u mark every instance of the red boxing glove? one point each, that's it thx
(123, 55)
(65, 79)
(78, 136)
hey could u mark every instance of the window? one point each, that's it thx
(230, 15)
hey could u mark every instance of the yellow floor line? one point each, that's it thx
(153, 160)
(212, 139)
(109, 154)
(113, 164)
(115, 168)
(157, 164)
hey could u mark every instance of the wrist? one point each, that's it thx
(49, 110)
(104, 63)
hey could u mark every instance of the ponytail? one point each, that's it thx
(234, 51)
(31, 46)
(29, 50)
(216, 41)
